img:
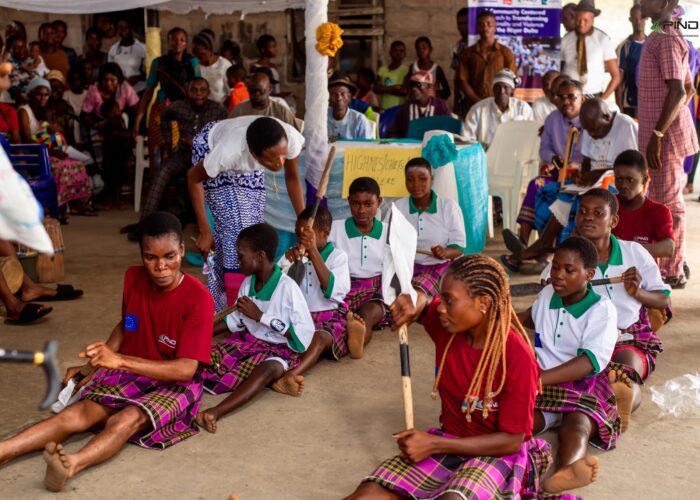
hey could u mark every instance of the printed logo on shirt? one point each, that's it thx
(538, 340)
(164, 339)
(131, 323)
(278, 325)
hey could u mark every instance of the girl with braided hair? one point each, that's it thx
(487, 380)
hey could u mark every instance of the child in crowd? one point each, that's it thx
(50, 133)
(117, 150)
(486, 372)
(270, 329)
(439, 223)
(363, 238)
(575, 334)
(638, 345)
(235, 77)
(325, 284)
(364, 81)
(34, 63)
(642, 219)
(267, 47)
(75, 94)
(389, 85)
(424, 50)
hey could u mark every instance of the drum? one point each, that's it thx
(50, 268)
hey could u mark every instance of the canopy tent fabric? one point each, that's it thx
(178, 6)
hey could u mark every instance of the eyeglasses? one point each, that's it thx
(571, 97)
(418, 85)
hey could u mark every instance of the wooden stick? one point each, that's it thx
(406, 377)
(424, 252)
(571, 139)
(607, 281)
(224, 312)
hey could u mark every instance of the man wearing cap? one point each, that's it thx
(480, 62)
(587, 53)
(260, 103)
(483, 118)
(130, 55)
(666, 132)
(343, 122)
(421, 103)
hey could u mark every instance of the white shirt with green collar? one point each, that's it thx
(623, 255)
(442, 223)
(283, 309)
(365, 251)
(317, 298)
(564, 332)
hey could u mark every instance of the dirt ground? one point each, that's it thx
(318, 446)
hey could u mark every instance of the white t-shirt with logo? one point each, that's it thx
(602, 152)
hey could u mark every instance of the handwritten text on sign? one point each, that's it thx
(385, 165)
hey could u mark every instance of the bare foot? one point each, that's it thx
(356, 335)
(290, 384)
(36, 292)
(59, 468)
(622, 387)
(580, 473)
(233, 496)
(207, 420)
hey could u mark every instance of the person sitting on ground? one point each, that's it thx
(61, 31)
(362, 236)
(325, 283)
(486, 372)
(143, 385)
(363, 82)
(642, 289)
(484, 117)
(479, 63)
(235, 77)
(345, 123)
(568, 97)
(576, 330)
(545, 105)
(439, 223)
(606, 135)
(421, 104)
(270, 329)
(267, 48)
(390, 78)
(424, 49)
(260, 103)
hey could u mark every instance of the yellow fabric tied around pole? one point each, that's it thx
(328, 39)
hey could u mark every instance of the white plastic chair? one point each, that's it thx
(513, 159)
(141, 164)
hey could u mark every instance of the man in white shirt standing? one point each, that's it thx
(587, 53)
(485, 116)
(130, 55)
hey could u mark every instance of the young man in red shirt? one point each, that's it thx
(642, 219)
(144, 383)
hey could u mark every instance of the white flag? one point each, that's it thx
(399, 257)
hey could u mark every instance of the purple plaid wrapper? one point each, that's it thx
(170, 406)
(426, 278)
(511, 476)
(333, 323)
(592, 396)
(234, 359)
(363, 290)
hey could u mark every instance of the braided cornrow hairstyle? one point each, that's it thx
(484, 277)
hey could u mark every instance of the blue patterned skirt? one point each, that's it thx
(236, 201)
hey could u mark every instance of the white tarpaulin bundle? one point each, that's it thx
(20, 213)
(177, 6)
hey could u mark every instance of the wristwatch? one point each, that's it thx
(658, 134)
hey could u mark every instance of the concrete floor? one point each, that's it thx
(318, 446)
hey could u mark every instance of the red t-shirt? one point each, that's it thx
(650, 223)
(514, 406)
(8, 118)
(166, 325)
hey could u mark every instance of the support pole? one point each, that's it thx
(152, 37)
(316, 77)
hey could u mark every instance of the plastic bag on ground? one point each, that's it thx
(679, 397)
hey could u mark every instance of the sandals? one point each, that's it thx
(676, 282)
(63, 292)
(505, 262)
(513, 242)
(29, 314)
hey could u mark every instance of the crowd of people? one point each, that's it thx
(610, 248)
